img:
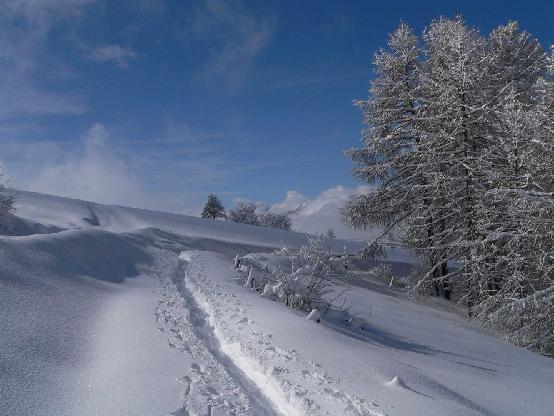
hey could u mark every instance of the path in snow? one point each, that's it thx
(78, 330)
(213, 384)
(294, 384)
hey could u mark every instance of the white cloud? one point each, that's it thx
(171, 175)
(96, 174)
(120, 55)
(322, 212)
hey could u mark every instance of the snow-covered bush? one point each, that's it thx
(298, 278)
(383, 273)
(244, 213)
(249, 213)
(311, 267)
(274, 220)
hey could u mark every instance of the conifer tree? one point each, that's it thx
(388, 156)
(214, 208)
(459, 147)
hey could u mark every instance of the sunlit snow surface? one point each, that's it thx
(100, 316)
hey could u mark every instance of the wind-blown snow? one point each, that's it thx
(100, 316)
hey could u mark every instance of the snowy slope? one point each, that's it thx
(58, 213)
(100, 316)
(412, 360)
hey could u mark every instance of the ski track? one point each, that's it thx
(214, 386)
(294, 385)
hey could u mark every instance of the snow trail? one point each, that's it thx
(294, 385)
(215, 386)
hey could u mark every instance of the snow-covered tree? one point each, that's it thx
(388, 157)
(244, 213)
(273, 220)
(330, 233)
(454, 130)
(213, 208)
(512, 280)
(459, 147)
(7, 199)
(514, 62)
(250, 213)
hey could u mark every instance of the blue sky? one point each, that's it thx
(156, 103)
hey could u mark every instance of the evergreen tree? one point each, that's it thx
(514, 64)
(388, 159)
(459, 147)
(214, 208)
(454, 132)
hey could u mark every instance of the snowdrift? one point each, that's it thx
(100, 316)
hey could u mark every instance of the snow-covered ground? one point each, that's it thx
(116, 311)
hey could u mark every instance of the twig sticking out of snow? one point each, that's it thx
(315, 315)
(396, 382)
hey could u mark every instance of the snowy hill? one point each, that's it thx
(109, 310)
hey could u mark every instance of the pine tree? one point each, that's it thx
(459, 147)
(214, 208)
(388, 158)
(514, 63)
(513, 281)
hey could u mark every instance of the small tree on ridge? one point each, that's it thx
(214, 208)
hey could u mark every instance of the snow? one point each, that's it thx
(125, 373)
(114, 310)
(314, 315)
(442, 364)
(67, 213)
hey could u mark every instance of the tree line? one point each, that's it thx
(246, 213)
(458, 146)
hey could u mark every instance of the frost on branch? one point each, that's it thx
(249, 213)
(458, 146)
(300, 279)
(244, 213)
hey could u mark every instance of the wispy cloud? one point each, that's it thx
(234, 37)
(117, 54)
(95, 174)
(303, 84)
(170, 173)
(25, 26)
